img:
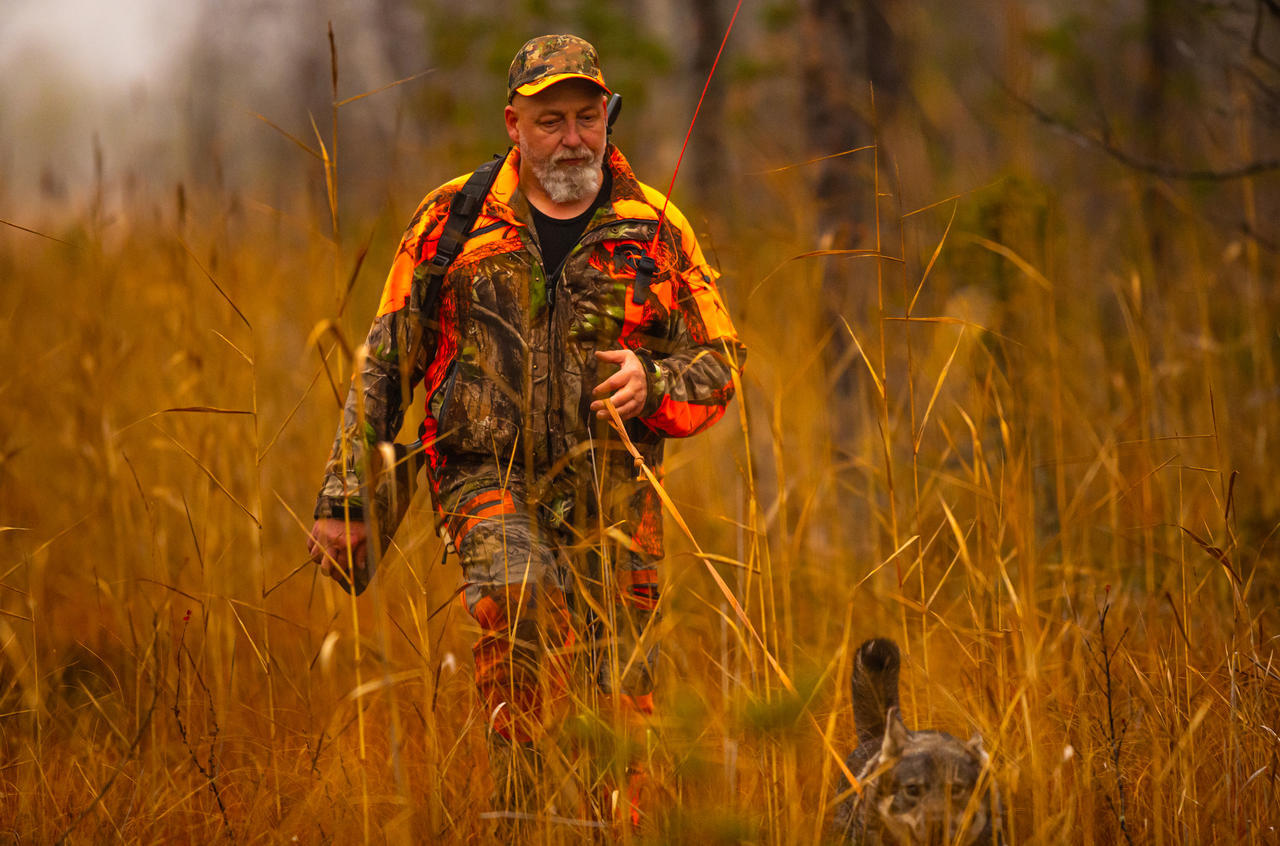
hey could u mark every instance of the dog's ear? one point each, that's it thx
(895, 737)
(978, 750)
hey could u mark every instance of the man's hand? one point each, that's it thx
(328, 547)
(627, 389)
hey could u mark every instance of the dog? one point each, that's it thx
(918, 788)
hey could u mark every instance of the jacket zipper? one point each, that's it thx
(589, 238)
(446, 393)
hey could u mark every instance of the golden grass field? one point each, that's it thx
(1044, 468)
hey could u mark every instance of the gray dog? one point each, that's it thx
(918, 787)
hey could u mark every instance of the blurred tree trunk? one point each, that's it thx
(1153, 122)
(848, 51)
(708, 154)
(400, 33)
(829, 79)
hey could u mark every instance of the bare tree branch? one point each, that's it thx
(1254, 168)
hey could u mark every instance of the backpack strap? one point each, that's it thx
(464, 208)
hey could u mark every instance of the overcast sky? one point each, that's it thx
(70, 69)
(112, 44)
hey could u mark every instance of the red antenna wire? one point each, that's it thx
(667, 200)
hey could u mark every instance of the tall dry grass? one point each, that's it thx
(1038, 462)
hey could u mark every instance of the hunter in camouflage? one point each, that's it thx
(531, 487)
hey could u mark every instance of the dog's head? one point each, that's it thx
(924, 786)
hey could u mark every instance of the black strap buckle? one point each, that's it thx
(645, 268)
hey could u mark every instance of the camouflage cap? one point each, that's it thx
(548, 59)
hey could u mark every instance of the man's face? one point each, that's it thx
(561, 134)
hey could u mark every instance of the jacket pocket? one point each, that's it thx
(476, 415)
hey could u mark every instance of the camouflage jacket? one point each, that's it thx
(508, 366)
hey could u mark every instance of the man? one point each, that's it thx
(540, 325)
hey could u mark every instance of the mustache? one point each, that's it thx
(580, 152)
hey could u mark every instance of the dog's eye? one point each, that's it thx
(913, 791)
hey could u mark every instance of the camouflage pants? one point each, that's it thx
(566, 610)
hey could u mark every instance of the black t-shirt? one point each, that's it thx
(557, 237)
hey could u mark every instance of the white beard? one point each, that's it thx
(567, 183)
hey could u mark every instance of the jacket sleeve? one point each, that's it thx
(391, 363)
(691, 380)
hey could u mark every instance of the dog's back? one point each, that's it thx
(917, 786)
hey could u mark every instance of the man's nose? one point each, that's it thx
(571, 138)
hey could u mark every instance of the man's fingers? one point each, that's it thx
(614, 382)
(626, 389)
(620, 401)
(621, 380)
(320, 554)
(609, 385)
(339, 549)
(626, 409)
(337, 566)
(319, 548)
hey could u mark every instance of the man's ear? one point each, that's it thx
(513, 131)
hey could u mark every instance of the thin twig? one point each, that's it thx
(1138, 163)
(209, 773)
(1115, 740)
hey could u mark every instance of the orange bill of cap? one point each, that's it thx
(531, 88)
